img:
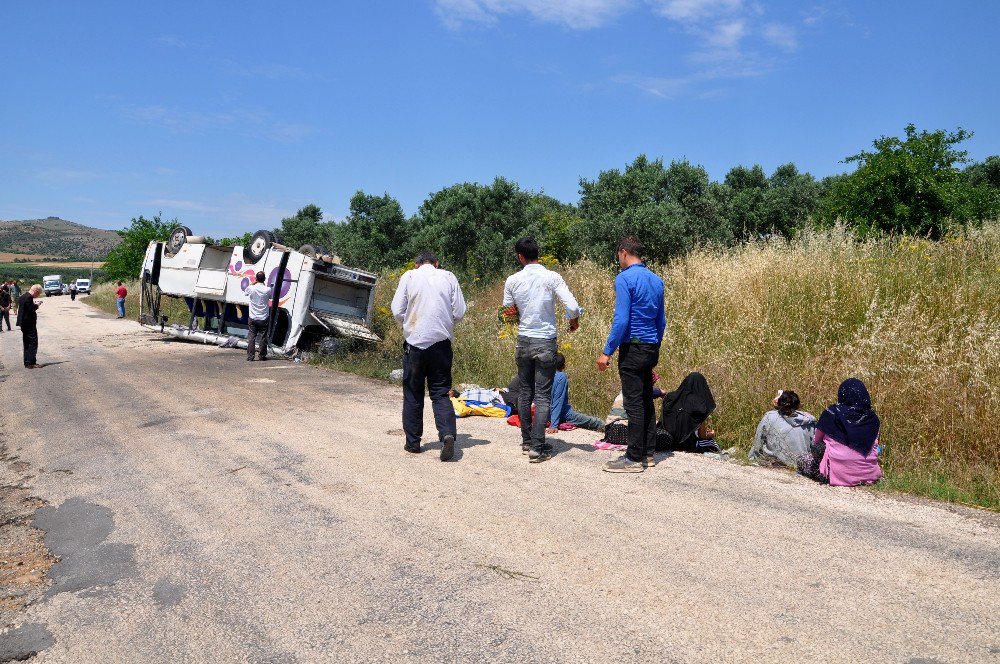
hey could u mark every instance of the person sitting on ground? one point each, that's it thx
(785, 433)
(684, 415)
(562, 412)
(845, 446)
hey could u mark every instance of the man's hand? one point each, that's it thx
(574, 324)
(603, 362)
(552, 430)
(39, 303)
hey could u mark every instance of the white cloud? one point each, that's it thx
(726, 35)
(65, 176)
(695, 10)
(254, 123)
(573, 14)
(781, 35)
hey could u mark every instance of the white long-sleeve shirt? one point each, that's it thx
(428, 303)
(534, 291)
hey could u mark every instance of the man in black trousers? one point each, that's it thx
(428, 303)
(27, 320)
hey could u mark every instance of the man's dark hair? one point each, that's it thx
(788, 403)
(119, 283)
(527, 247)
(260, 277)
(631, 245)
(425, 257)
(560, 361)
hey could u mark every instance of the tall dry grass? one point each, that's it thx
(103, 297)
(918, 321)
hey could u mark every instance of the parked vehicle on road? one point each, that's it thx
(82, 286)
(52, 284)
(316, 297)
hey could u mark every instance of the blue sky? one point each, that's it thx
(231, 115)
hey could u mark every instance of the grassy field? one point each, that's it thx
(103, 297)
(918, 321)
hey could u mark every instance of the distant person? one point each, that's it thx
(845, 446)
(562, 412)
(6, 303)
(259, 316)
(532, 293)
(636, 332)
(427, 304)
(72, 292)
(120, 294)
(785, 433)
(27, 320)
(15, 293)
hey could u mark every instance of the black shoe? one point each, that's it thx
(525, 448)
(412, 450)
(250, 359)
(263, 358)
(448, 448)
(538, 456)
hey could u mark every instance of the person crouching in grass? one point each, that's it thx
(561, 410)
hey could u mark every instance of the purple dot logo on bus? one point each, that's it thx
(238, 265)
(286, 281)
(245, 284)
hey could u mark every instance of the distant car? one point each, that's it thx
(52, 284)
(65, 289)
(83, 285)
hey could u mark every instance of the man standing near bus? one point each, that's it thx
(636, 333)
(27, 320)
(428, 303)
(259, 316)
(120, 293)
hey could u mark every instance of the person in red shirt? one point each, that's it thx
(120, 293)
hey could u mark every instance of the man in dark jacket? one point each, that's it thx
(27, 320)
(5, 306)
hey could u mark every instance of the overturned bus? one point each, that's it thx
(313, 296)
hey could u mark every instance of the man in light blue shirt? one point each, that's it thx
(636, 333)
(533, 291)
(562, 412)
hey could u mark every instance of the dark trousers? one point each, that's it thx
(72, 295)
(635, 367)
(30, 335)
(429, 366)
(257, 331)
(536, 368)
(5, 316)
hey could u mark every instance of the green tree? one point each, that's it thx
(906, 185)
(125, 261)
(375, 235)
(792, 199)
(670, 209)
(305, 227)
(473, 227)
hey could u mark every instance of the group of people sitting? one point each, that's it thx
(840, 448)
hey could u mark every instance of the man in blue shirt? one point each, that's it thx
(561, 411)
(636, 333)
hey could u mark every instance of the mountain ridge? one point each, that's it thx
(54, 236)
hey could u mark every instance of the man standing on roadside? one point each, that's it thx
(636, 333)
(533, 291)
(5, 305)
(428, 303)
(15, 293)
(258, 317)
(120, 294)
(27, 320)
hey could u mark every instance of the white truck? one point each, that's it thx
(314, 296)
(82, 286)
(52, 284)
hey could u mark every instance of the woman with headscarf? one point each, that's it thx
(845, 447)
(684, 412)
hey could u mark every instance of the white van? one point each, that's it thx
(82, 286)
(316, 297)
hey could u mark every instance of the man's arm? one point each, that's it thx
(566, 297)
(619, 324)
(661, 318)
(508, 293)
(399, 300)
(457, 301)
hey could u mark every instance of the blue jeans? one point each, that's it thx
(536, 367)
(584, 421)
(121, 307)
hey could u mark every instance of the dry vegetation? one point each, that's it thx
(918, 321)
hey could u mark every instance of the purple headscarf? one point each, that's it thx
(852, 420)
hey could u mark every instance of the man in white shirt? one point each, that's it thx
(257, 317)
(428, 303)
(533, 291)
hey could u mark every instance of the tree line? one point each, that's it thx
(920, 183)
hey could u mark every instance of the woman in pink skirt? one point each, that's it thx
(845, 447)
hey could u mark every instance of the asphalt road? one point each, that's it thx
(207, 509)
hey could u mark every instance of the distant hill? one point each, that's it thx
(56, 237)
